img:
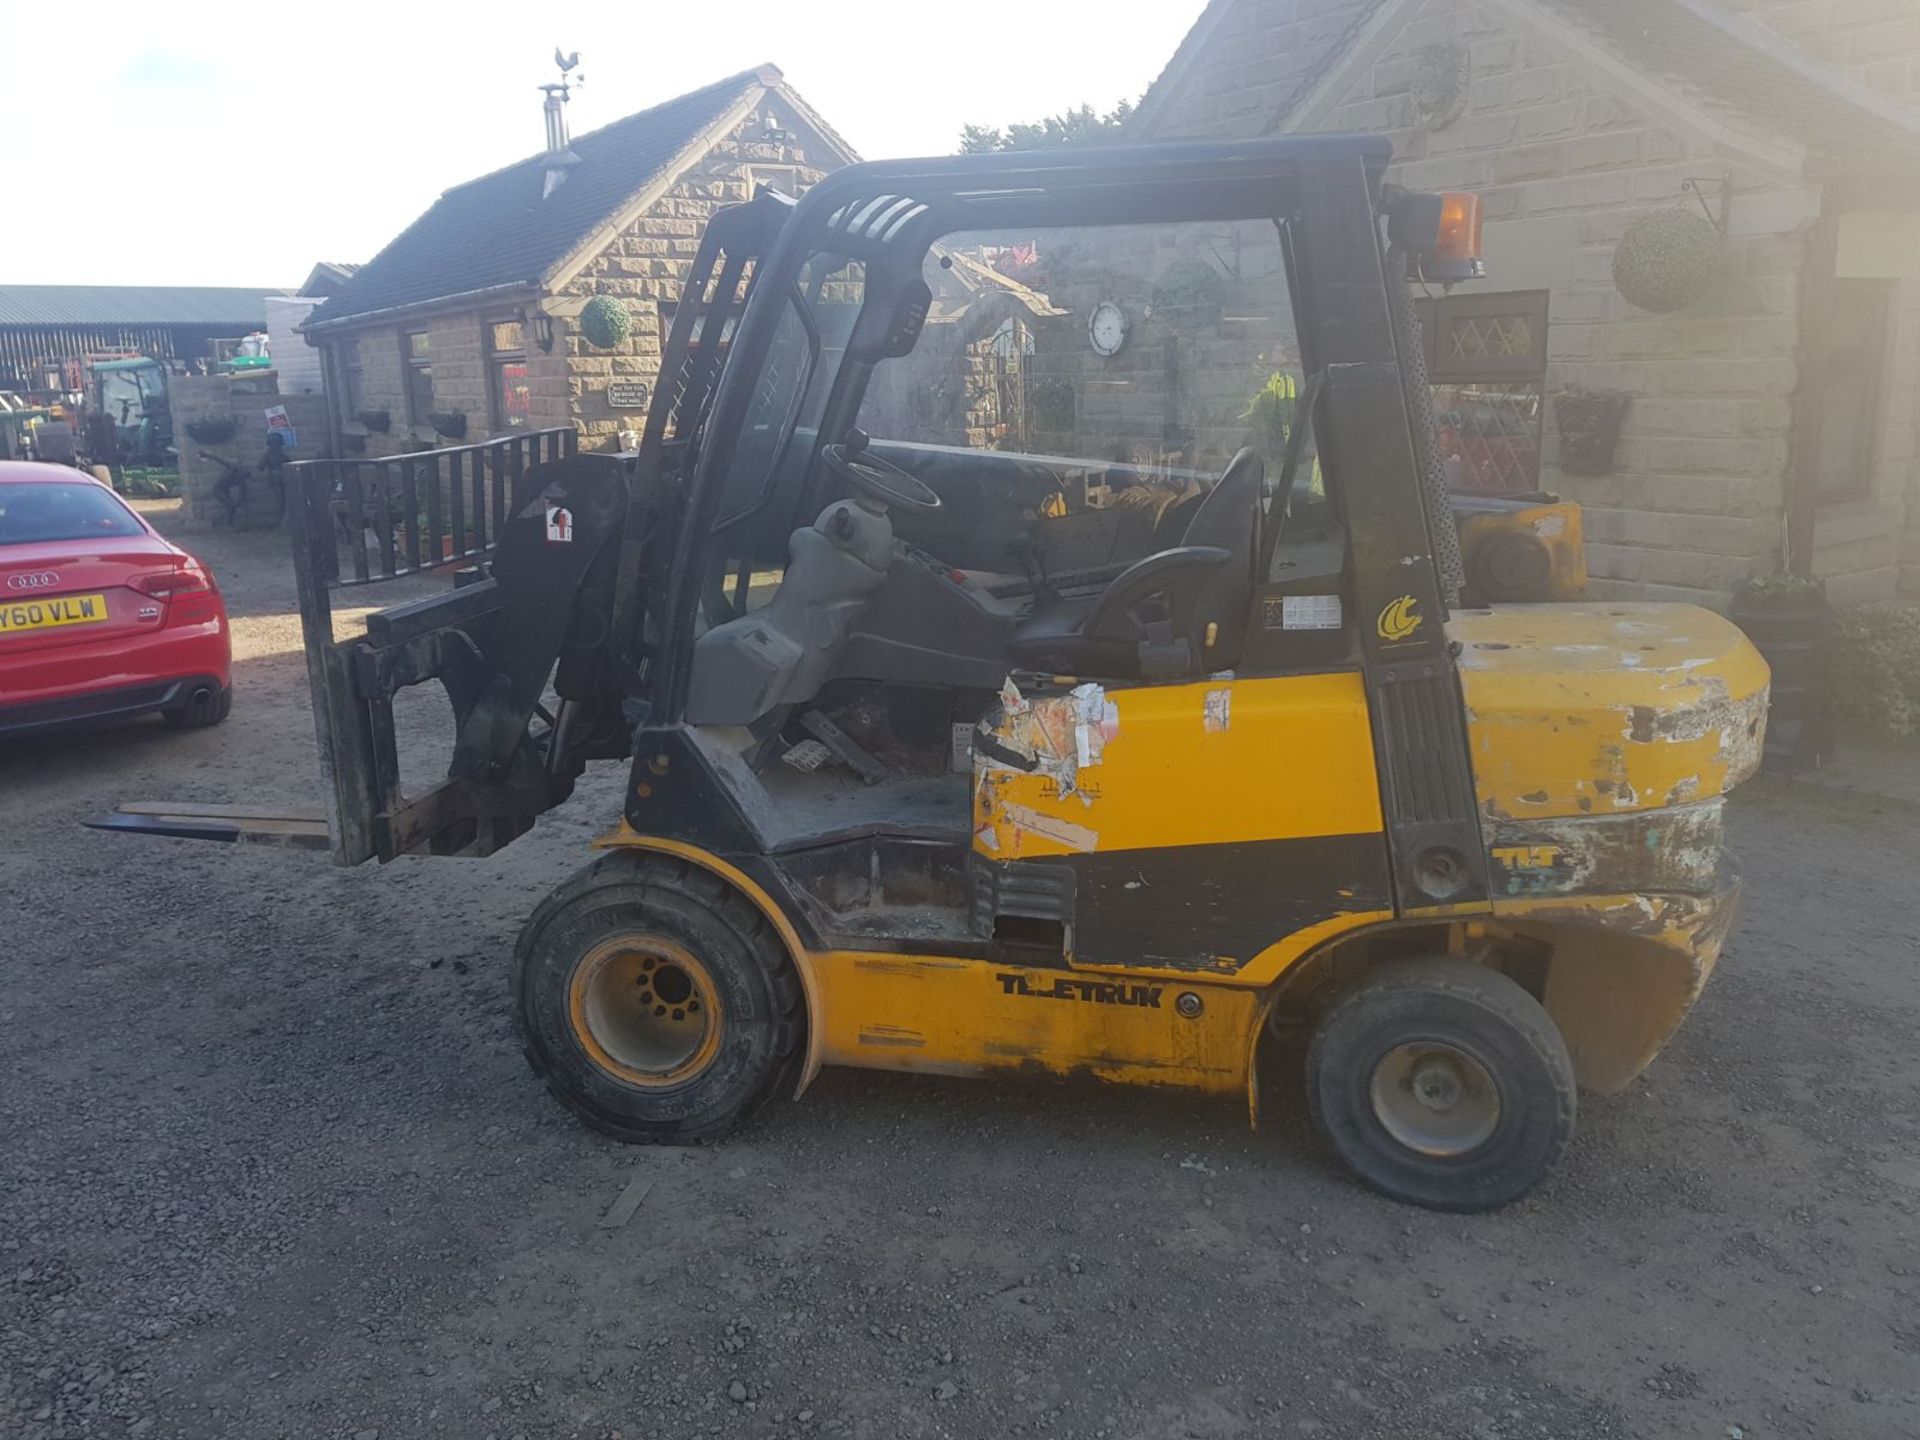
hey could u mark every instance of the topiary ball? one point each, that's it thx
(1190, 292)
(1667, 259)
(605, 323)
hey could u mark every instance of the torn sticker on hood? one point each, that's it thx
(1061, 734)
(1217, 711)
(1062, 832)
(1097, 721)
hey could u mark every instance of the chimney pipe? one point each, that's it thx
(556, 109)
(559, 155)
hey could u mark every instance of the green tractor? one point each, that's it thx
(132, 396)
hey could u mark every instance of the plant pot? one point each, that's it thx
(212, 429)
(1589, 423)
(1791, 637)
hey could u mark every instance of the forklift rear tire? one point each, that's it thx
(1443, 1083)
(655, 1001)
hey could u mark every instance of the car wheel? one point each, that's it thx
(1443, 1083)
(655, 1001)
(205, 706)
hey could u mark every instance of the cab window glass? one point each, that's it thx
(1147, 351)
(779, 434)
(1114, 371)
(769, 420)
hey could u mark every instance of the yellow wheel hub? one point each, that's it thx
(645, 1010)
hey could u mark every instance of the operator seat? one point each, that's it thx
(1206, 583)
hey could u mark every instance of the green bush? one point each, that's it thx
(146, 484)
(1191, 294)
(1873, 670)
(605, 322)
(1779, 592)
(1667, 259)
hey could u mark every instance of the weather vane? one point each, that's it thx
(567, 63)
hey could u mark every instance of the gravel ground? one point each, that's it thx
(272, 1166)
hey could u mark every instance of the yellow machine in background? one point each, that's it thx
(1520, 548)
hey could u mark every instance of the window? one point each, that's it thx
(1851, 383)
(1114, 370)
(1140, 357)
(768, 461)
(416, 352)
(121, 396)
(41, 511)
(770, 417)
(1487, 363)
(512, 396)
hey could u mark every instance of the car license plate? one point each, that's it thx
(16, 615)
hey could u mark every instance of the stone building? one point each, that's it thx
(467, 324)
(1773, 418)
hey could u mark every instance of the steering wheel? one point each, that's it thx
(878, 479)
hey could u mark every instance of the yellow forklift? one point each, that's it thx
(891, 811)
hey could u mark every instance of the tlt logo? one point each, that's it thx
(1527, 857)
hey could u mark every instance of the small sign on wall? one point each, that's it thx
(628, 394)
(279, 424)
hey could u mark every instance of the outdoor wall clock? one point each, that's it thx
(1107, 328)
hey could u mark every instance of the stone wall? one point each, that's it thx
(245, 401)
(646, 265)
(1564, 164)
(457, 343)
(1697, 496)
(1875, 43)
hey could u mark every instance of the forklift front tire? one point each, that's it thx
(1443, 1083)
(655, 1001)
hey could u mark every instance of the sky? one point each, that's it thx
(196, 143)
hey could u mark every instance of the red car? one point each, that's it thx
(99, 616)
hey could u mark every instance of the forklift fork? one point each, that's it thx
(492, 643)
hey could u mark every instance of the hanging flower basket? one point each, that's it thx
(212, 429)
(606, 323)
(1589, 423)
(1667, 259)
(379, 421)
(450, 424)
(1190, 293)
